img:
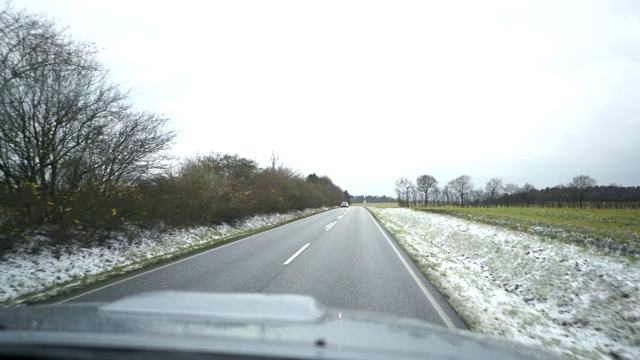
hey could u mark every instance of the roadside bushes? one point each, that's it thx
(200, 190)
(203, 190)
(216, 188)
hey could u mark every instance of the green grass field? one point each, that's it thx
(609, 229)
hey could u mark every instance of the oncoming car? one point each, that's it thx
(344, 204)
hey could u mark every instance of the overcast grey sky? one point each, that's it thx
(366, 92)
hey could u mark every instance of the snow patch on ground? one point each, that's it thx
(24, 271)
(576, 301)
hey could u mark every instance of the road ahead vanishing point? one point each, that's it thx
(342, 257)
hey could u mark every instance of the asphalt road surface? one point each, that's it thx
(342, 257)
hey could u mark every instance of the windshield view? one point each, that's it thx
(168, 173)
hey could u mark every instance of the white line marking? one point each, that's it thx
(340, 217)
(175, 262)
(296, 254)
(329, 226)
(425, 291)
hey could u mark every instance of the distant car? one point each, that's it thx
(344, 204)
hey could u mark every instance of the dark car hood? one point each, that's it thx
(247, 324)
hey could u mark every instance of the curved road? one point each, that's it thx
(342, 257)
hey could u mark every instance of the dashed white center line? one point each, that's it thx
(340, 217)
(296, 254)
(326, 228)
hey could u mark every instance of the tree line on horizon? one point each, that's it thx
(76, 154)
(581, 192)
(372, 199)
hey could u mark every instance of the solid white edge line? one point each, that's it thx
(296, 254)
(443, 315)
(173, 263)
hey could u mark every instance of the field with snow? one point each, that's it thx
(579, 302)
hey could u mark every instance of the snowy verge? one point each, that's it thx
(27, 277)
(561, 297)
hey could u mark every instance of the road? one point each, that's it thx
(341, 256)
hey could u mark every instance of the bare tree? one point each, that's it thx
(54, 104)
(437, 195)
(510, 189)
(528, 194)
(126, 151)
(63, 122)
(447, 193)
(557, 195)
(274, 161)
(462, 186)
(451, 191)
(582, 184)
(415, 195)
(404, 187)
(279, 167)
(494, 189)
(424, 183)
(478, 196)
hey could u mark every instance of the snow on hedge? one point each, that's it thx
(576, 301)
